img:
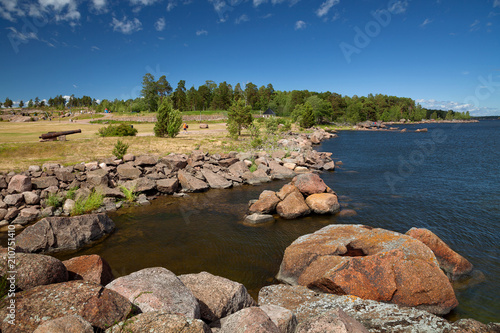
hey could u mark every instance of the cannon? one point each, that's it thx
(53, 136)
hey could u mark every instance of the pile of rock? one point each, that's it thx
(23, 197)
(81, 295)
(306, 194)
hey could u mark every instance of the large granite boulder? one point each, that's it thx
(249, 320)
(451, 262)
(157, 289)
(142, 184)
(218, 297)
(278, 171)
(64, 233)
(323, 203)
(44, 182)
(34, 270)
(190, 183)
(266, 204)
(370, 263)
(161, 322)
(99, 306)
(145, 160)
(309, 183)
(293, 206)
(90, 268)
(174, 162)
(97, 178)
(377, 317)
(67, 324)
(19, 184)
(215, 180)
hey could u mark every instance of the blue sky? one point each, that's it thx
(442, 53)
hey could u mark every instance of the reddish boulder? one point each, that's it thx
(266, 204)
(369, 263)
(293, 206)
(309, 183)
(281, 317)
(99, 306)
(90, 268)
(451, 262)
(286, 190)
(323, 203)
(35, 270)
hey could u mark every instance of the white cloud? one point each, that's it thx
(9, 9)
(325, 7)
(126, 26)
(171, 5)
(300, 25)
(160, 24)
(23, 37)
(241, 19)
(427, 21)
(66, 10)
(95, 48)
(201, 32)
(257, 3)
(399, 7)
(221, 8)
(496, 3)
(475, 25)
(99, 5)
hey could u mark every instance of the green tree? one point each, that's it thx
(30, 103)
(37, 102)
(449, 115)
(21, 103)
(8, 103)
(164, 88)
(307, 117)
(251, 94)
(222, 97)
(179, 98)
(322, 109)
(168, 121)
(238, 117)
(434, 115)
(238, 92)
(192, 98)
(150, 92)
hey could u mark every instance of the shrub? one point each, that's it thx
(168, 121)
(54, 200)
(88, 204)
(271, 125)
(71, 193)
(120, 149)
(117, 130)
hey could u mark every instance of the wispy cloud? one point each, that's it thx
(160, 24)
(126, 26)
(95, 48)
(201, 32)
(65, 10)
(299, 25)
(241, 19)
(475, 25)
(325, 7)
(143, 2)
(257, 3)
(23, 37)
(99, 5)
(496, 3)
(171, 5)
(426, 22)
(9, 9)
(398, 7)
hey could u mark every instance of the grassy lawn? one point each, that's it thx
(20, 146)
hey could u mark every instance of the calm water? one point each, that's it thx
(446, 180)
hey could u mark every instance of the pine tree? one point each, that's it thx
(239, 116)
(307, 117)
(168, 121)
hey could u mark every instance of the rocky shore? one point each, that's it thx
(24, 196)
(342, 278)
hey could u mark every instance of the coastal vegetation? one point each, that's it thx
(117, 130)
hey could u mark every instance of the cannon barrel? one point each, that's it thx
(52, 135)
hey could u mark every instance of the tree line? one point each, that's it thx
(301, 105)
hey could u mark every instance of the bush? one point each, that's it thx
(54, 200)
(120, 149)
(168, 121)
(88, 204)
(130, 194)
(117, 130)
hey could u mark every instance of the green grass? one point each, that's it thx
(86, 116)
(54, 200)
(103, 121)
(130, 194)
(88, 204)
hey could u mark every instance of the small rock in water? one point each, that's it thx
(257, 218)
